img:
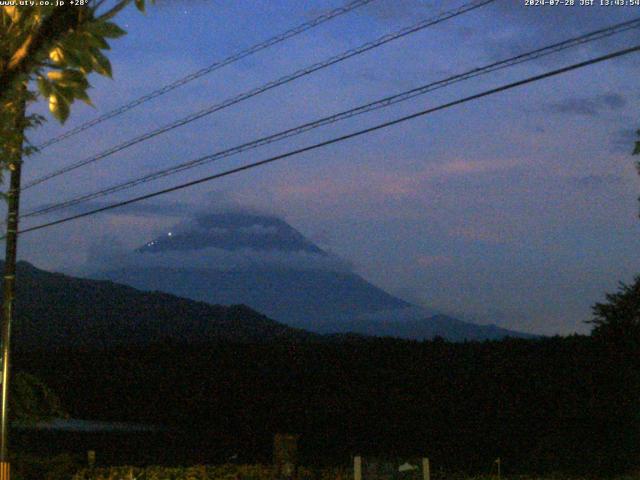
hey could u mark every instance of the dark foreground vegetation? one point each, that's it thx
(548, 405)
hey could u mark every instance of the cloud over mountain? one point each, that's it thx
(229, 241)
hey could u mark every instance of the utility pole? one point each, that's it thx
(9, 279)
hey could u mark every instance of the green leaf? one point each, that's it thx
(78, 57)
(44, 86)
(106, 29)
(59, 107)
(69, 78)
(83, 97)
(65, 93)
(55, 75)
(114, 11)
(57, 56)
(100, 63)
(140, 5)
(74, 76)
(96, 41)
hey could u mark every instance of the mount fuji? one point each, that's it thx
(261, 261)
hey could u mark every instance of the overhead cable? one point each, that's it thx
(206, 70)
(266, 87)
(371, 106)
(342, 138)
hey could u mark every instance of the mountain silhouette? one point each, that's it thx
(56, 310)
(261, 261)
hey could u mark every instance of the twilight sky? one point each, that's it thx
(519, 209)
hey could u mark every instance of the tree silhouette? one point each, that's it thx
(619, 317)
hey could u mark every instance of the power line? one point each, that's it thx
(206, 70)
(378, 104)
(348, 136)
(268, 86)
